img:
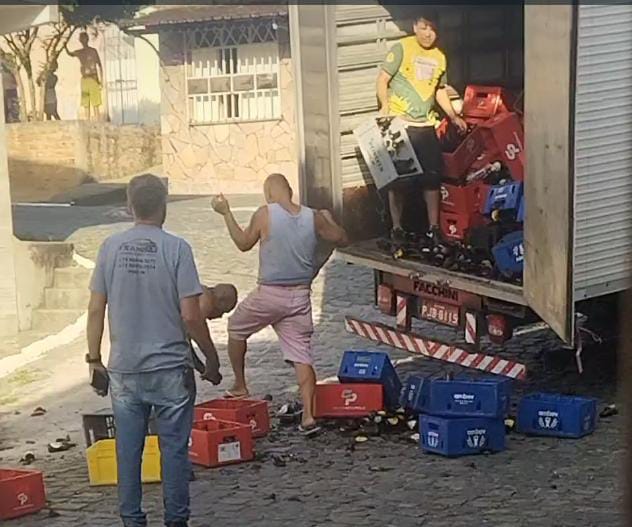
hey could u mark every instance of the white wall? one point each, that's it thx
(148, 75)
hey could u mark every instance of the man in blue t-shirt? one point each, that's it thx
(148, 280)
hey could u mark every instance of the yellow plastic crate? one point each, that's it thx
(101, 457)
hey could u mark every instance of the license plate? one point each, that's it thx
(438, 312)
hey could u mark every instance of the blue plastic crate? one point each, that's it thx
(556, 415)
(461, 436)
(509, 254)
(504, 197)
(520, 216)
(487, 397)
(373, 367)
(411, 396)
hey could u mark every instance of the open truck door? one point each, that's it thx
(549, 200)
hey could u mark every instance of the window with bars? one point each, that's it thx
(234, 83)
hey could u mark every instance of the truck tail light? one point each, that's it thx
(499, 328)
(386, 299)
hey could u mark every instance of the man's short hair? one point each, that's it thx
(423, 20)
(147, 195)
(226, 295)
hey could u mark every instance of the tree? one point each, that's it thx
(18, 58)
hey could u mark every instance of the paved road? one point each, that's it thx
(386, 481)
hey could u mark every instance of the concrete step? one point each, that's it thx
(71, 278)
(67, 298)
(53, 320)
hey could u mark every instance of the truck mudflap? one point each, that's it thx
(420, 345)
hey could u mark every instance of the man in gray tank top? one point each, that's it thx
(288, 236)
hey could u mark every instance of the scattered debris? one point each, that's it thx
(290, 413)
(38, 412)
(510, 424)
(61, 445)
(267, 397)
(414, 438)
(30, 442)
(380, 469)
(609, 411)
(412, 424)
(361, 439)
(27, 458)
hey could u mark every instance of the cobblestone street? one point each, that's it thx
(328, 480)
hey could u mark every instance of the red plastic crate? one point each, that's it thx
(455, 226)
(216, 443)
(22, 492)
(504, 134)
(464, 199)
(484, 102)
(487, 157)
(457, 164)
(348, 400)
(251, 412)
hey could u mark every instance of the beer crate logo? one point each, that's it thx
(548, 420)
(476, 438)
(433, 439)
(349, 397)
(23, 499)
(464, 398)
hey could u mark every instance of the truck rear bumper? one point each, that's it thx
(368, 255)
(435, 350)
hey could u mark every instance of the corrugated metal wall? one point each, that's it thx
(483, 45)
(603, 150)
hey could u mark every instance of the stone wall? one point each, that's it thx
(46, 158)
(229, 158)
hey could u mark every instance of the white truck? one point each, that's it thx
(574, 63)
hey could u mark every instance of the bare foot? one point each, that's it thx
(308, 422)
(236, 392)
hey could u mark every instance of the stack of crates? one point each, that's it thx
(459, 417)
(367, 383)
(224, 431)
(469, 205)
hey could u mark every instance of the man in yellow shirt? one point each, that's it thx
(411, 80)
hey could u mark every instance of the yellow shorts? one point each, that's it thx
(90, 92)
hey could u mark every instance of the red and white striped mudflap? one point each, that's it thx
(471, 328)
(403, 315)
(435, 350)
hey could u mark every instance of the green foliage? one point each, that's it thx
(79, 13)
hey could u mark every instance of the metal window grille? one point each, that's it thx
(120, 77)
(233, 73)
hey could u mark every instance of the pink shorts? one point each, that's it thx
(287, 309)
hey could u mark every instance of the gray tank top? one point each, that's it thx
(286, 256)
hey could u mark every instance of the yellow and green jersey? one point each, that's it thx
(416, 74)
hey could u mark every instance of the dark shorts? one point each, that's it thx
(428, 151)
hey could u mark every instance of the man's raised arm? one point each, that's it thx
(244, 239)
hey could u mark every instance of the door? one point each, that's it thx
(549, 192)
(120, 77)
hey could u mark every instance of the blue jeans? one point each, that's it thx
(171, 394)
